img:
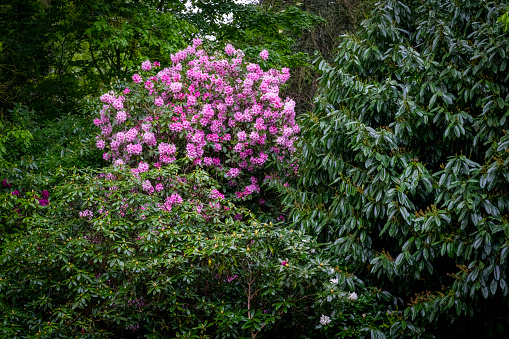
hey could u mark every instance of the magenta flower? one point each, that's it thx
(264, 54)
(146, 65)
(118, 104)
(143, 167)
(121, 117)
(229, 50)
(159, 102)
(137, 78)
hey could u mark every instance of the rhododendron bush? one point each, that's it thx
(216, 112)
(153, 245)
(106, 259)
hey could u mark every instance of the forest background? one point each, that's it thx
(393, 224)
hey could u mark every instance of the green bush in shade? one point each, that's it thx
(404, 164)
(102, 259)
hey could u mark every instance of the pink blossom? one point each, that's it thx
(131, 134)
(146, 127)
(137, 78)
(158, 101)
(165, 159)
(149, 85)
(215, 194)
(239, 147)
(118, 162)
(207, 161)
(264, 54)
(134, 149)
(213, 137)
(233, 172)
(106, 130)
(86, 214)
(147, 186)
(100, 144)
(242, 136)
(149, 138)
(229, 50)
(176, 87)
(118, 104)
(121, 117)
(191, 100)
(146, 65)
(127, 90)
(120, 137)
(143, 167)
(165, 148)
(107, 98)
(196, 43)
(175, 198)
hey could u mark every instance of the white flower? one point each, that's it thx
(352, 296)
(334, 281)
(331, 271)
(324, 320)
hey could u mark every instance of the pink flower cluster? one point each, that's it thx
(215, 194)
(220, 112)
(175, 198)
(86, 214)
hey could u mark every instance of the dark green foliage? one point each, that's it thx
(338, 17)
(32, 158)
(132, 270)
(404, 163)
(254, 29)
(53, 53)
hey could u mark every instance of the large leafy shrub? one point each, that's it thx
(151, 247)
(404, 164)
(220, 112)
(108, 261)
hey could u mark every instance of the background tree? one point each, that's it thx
(55, 53)
(338, 17)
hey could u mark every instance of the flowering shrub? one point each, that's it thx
(111, 260)
(216, 112)
(153, 246)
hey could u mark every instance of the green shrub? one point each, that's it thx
(404, 164)
(103, 259)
